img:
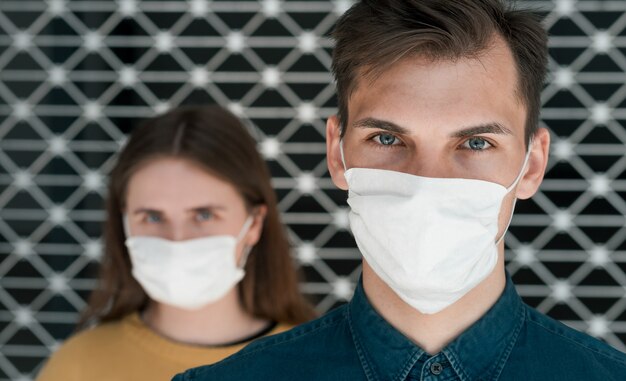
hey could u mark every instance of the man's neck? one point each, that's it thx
(433, 332)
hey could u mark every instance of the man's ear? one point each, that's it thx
(536, 167)
(333, 153)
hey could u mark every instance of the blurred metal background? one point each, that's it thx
(76, 76)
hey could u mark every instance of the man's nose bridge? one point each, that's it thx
(427, 163)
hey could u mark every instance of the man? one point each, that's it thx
(436, 136)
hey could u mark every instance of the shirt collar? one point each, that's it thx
(478, 353)
(483, 349)
(384, 352)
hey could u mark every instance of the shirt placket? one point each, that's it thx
(434, 368)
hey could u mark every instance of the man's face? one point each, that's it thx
(444, 119)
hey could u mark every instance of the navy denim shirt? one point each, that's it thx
(510, 342)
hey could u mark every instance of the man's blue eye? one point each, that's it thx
(477, 144)
(386, 139)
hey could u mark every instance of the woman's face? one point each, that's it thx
(177, 200)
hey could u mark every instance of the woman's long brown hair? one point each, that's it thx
(216, 140)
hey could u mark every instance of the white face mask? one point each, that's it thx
(431, 240)
(187, 274)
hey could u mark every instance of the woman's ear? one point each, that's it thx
(256, 228)
(333, 152)
(536, 167)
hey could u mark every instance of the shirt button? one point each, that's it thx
(436, 368)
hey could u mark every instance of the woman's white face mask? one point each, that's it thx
(187, 274)
(431, 240)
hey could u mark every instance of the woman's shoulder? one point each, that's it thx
(81, 348)
(280, 328)
(98, 337)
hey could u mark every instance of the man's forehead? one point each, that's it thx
(461, 95)
(495, 56)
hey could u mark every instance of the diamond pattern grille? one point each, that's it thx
(75, 76)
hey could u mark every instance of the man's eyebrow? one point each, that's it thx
(487, 128)
(380, 124)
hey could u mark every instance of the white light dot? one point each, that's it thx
(562, 220)
(24, 316)
(599, 256)
(92, 110)
(198, 8)
(57, 145)
(127, 8)
(55, 346)
(561, 290)
(306, 253)
(93, 249)
(564, 78)
(58, 283)
(600, 185)
(562, 150)
(23, 179)
(93, 41)
(307, 42)
(57, 76)
(161, 107)
(306, 183)
(22, 40)
(22, 110)
(565, 7)
(341, 6)
(307, 112)
(58, 215)
(270, 77)
(93, 180)
(164, 42)
(199, 77)
(23, 248)
(525, 255)
(235, 42)
(122, 142)
(341, 218)
(236, 109)
(600, 113)
(343, 289)
(271, 8)
(598, 326)
(602, 42)
(270, 148)
(127, 76)
(56, 7)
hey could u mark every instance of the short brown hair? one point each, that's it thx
(216, 140)
(374, 34)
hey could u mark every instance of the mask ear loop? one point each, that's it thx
(343, 159)
(126, 225)
(247, 249)
(510, 188)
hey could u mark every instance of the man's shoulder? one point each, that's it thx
(547, 338)
(301, 352)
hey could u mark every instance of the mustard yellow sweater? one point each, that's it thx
(129, 350)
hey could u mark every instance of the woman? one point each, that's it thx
(196, 261)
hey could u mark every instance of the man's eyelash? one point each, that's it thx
(477, 151)
(371, 138)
